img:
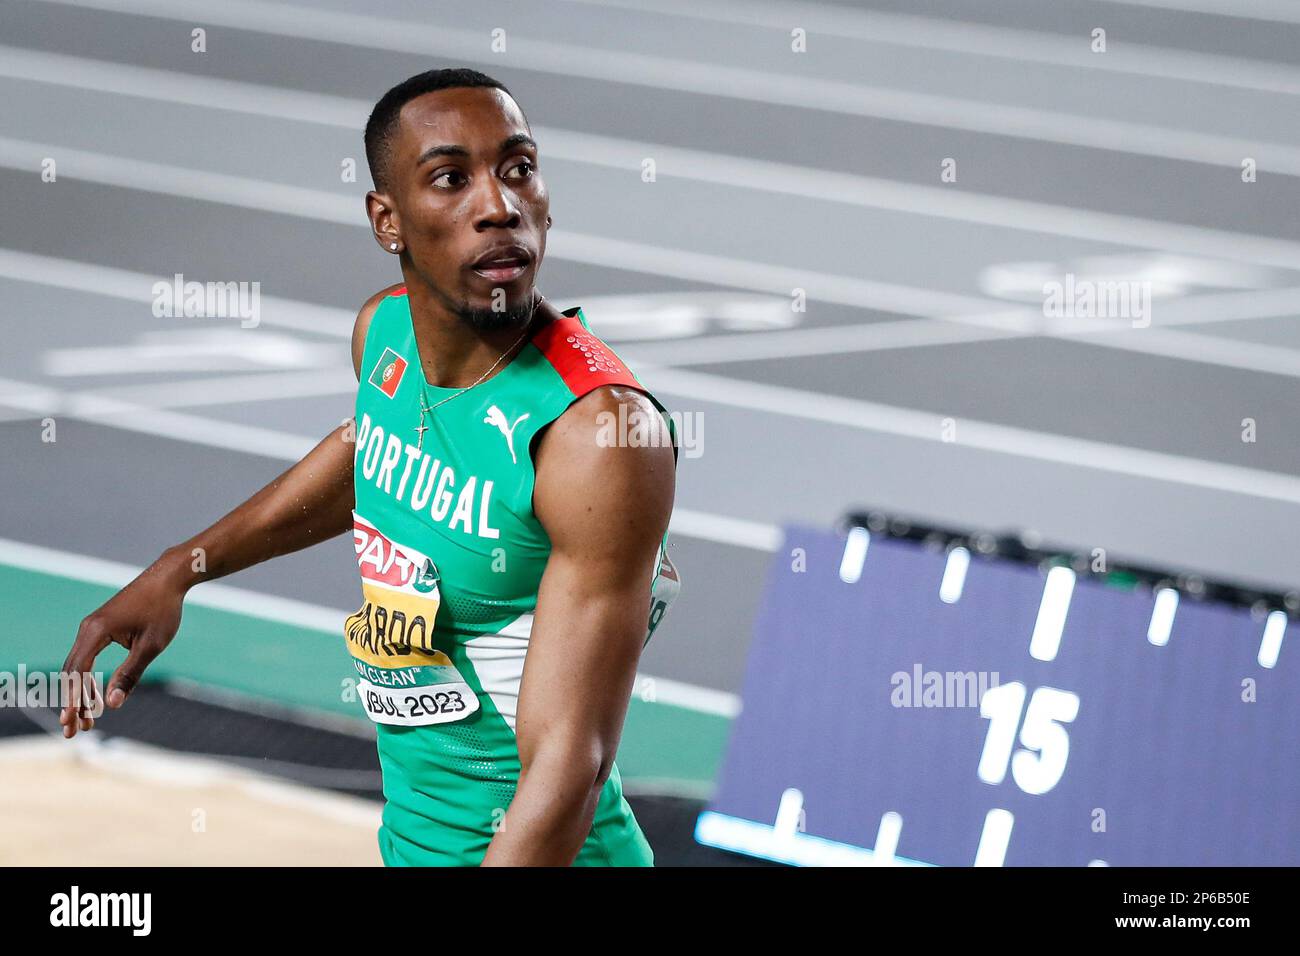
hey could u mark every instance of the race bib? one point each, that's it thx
(664, 588)
(415, 696)
(403, 678)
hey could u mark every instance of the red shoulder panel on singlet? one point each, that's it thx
(582, 360)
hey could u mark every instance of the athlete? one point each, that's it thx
(508, 484)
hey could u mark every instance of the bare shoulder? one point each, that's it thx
(609, 449)
(363, 324)
(609, 417)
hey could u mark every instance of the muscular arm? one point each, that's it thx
(309, 503)
(606, 510)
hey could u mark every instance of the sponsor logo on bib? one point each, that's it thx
(404, 679)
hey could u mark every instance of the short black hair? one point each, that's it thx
(383, 118)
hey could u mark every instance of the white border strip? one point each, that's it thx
(949, 328)
(798, 849)
(728, 171)
(210, 594)
(1000, 42)
(624, 154)
(986, 436)
(709, 79)
(704, 700)
(321, 206)
(299, 614)
(749, 396)
(1269, 11)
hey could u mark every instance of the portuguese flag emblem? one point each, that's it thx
(387, 373)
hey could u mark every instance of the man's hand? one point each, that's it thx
(143, 617)
(309, 503)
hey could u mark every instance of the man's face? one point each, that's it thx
(470, 205)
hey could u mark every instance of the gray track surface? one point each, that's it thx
(819, 170)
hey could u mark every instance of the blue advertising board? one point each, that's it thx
(910, 705)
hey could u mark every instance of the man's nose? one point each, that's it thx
(496, 208)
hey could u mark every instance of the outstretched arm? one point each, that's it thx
(309, 503)
(606, 510)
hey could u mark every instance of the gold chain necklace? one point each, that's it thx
(425, 409)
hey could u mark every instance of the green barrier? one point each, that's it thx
(664, 745)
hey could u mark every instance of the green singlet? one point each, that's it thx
(451, 556)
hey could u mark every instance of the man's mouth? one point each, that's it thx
(502, 263)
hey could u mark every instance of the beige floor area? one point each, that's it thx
(93, 803)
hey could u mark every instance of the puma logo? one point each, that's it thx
(498, 418)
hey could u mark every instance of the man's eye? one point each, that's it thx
(449, 179)
(521, 170)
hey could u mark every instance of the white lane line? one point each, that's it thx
(1022, 215)
(210, 594)
(824, 340)
(142, 414)
(77, 276)
(1205, 308)
(726, 530)
(757, 346)
(623, 154)
(972, 433)
(256, 440)
(576, 247)
(980, 39)
(170, 86)
(959, 328)
(1161, 339)
(299, 614)
(593, 149)
(709, 79)
(750, 396)
(703, 700)
(758, 276)
(184, 183)
(1197, 347)
(86, 406)
(1269, 11)
(940, 202)
(858, 414)
(716, 349)
(1231, 307)
(237, 389)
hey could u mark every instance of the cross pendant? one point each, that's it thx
(422, 427)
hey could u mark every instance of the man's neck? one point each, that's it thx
(452, 352)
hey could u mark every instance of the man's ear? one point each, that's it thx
(384, 225)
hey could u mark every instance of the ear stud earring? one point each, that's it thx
(393, 246)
